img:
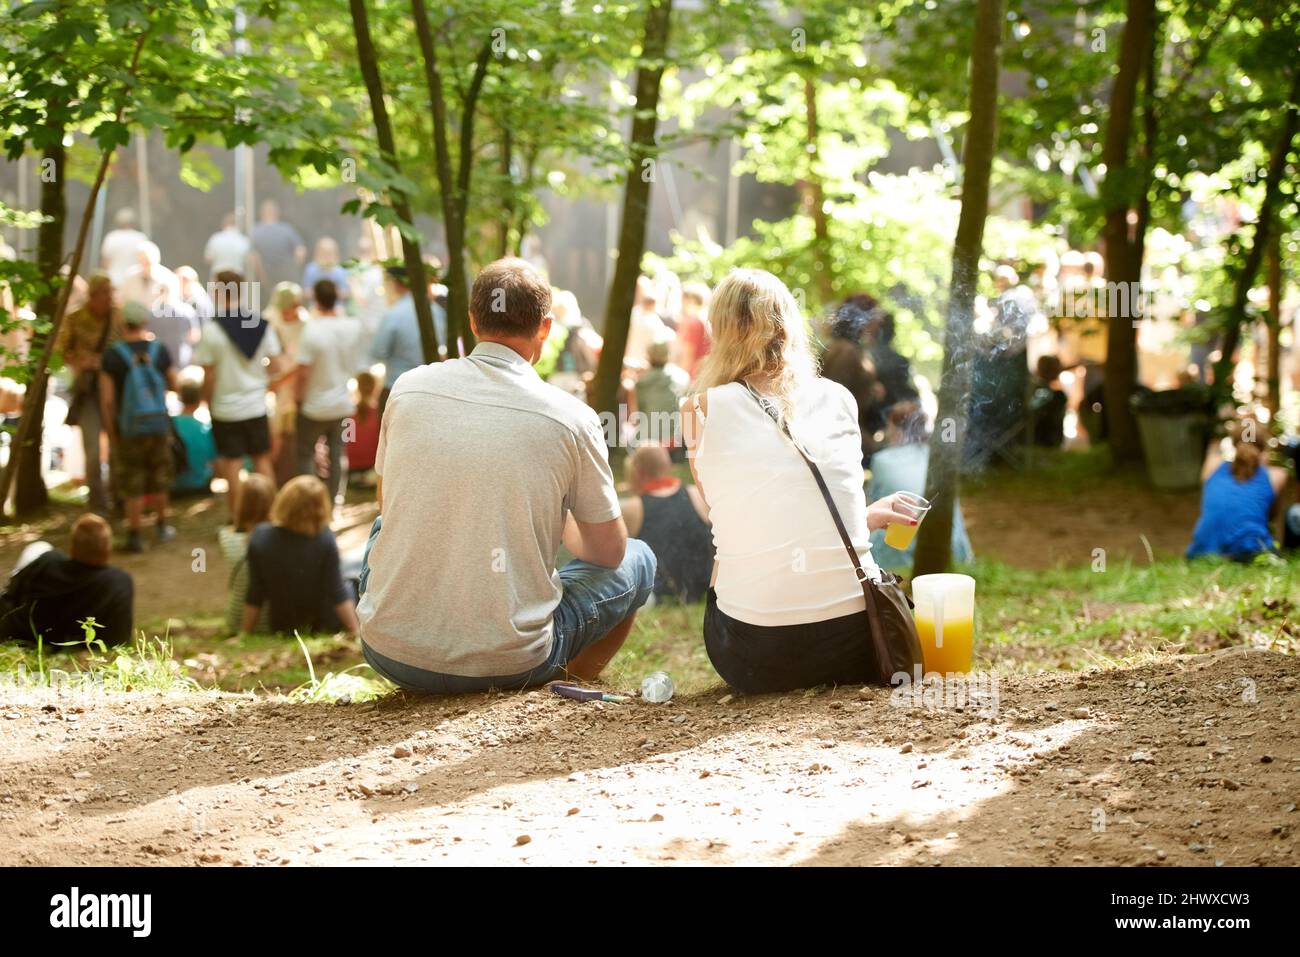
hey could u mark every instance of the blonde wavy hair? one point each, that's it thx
(302, 506)
(759, 334)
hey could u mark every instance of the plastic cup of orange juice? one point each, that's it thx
(900, 536)
(945, 621)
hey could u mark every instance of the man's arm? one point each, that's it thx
(601, 543)
(300, 387)
(209, 384)
(347, 613)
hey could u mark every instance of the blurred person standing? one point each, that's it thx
(228, 249)
(239, 352)
(397, 341)
(289, 319)
(119, 253)
(327, 356)
(193, 294)
(141, 282)
(646, 326)
(135, 376)
(693, 333)
(85, 335)
(325, 265)
(279, 248)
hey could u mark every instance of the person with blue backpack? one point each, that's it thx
(135, 377)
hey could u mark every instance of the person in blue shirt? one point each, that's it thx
(397, 340)
(325, 265)
(901, 467)
(1237, 502)
(200, 449)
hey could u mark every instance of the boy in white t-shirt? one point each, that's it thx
(327, 357)
(239, 352)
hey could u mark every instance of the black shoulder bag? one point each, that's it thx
(889, 611)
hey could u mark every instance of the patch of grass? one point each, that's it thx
(339, 688)
(1063, 618)
(1054, 475)
(667, 637)
(146, 664)
(1069, 618)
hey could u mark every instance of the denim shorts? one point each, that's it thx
(594, 600)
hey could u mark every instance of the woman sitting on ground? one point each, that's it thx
(1238, 500)
(293, 565)
(786, 609)
(252, 508)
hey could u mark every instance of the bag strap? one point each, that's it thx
(103, 333)
(868, 589)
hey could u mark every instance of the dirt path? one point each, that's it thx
(1193, 760)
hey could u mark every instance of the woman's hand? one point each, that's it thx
(890, 510)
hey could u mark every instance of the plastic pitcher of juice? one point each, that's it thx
(945, 621)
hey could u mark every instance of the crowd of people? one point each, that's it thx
(488, 468)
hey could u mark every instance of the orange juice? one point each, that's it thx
(900, 536)
(950, 652)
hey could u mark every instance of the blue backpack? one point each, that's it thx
(144, 393)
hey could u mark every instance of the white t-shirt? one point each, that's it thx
(228, 249)
(331, 345)
(780, 559)
(241, 383)
(120, 252)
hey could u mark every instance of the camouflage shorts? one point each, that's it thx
(143, 465)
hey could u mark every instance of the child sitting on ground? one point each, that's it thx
(362, 439)
(673, 520)
(196, 436)
(253, 507)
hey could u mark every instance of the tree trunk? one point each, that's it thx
(508, 201)
(1259, 242)
(453, 189)
(416, 273)
(1124, 185)
(34, 400)
(814, 199)
(30, 493)
(1273, 376)
(934, 541)
(636, 207)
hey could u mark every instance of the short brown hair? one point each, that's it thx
(92, 540)
(256, 493)
(650, 462)
(510, 298)
(302, 506)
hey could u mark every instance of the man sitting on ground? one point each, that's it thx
(459, 587)
(50, 594)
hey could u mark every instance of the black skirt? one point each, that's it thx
(755, 659)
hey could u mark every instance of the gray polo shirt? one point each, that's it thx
(480, 460)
